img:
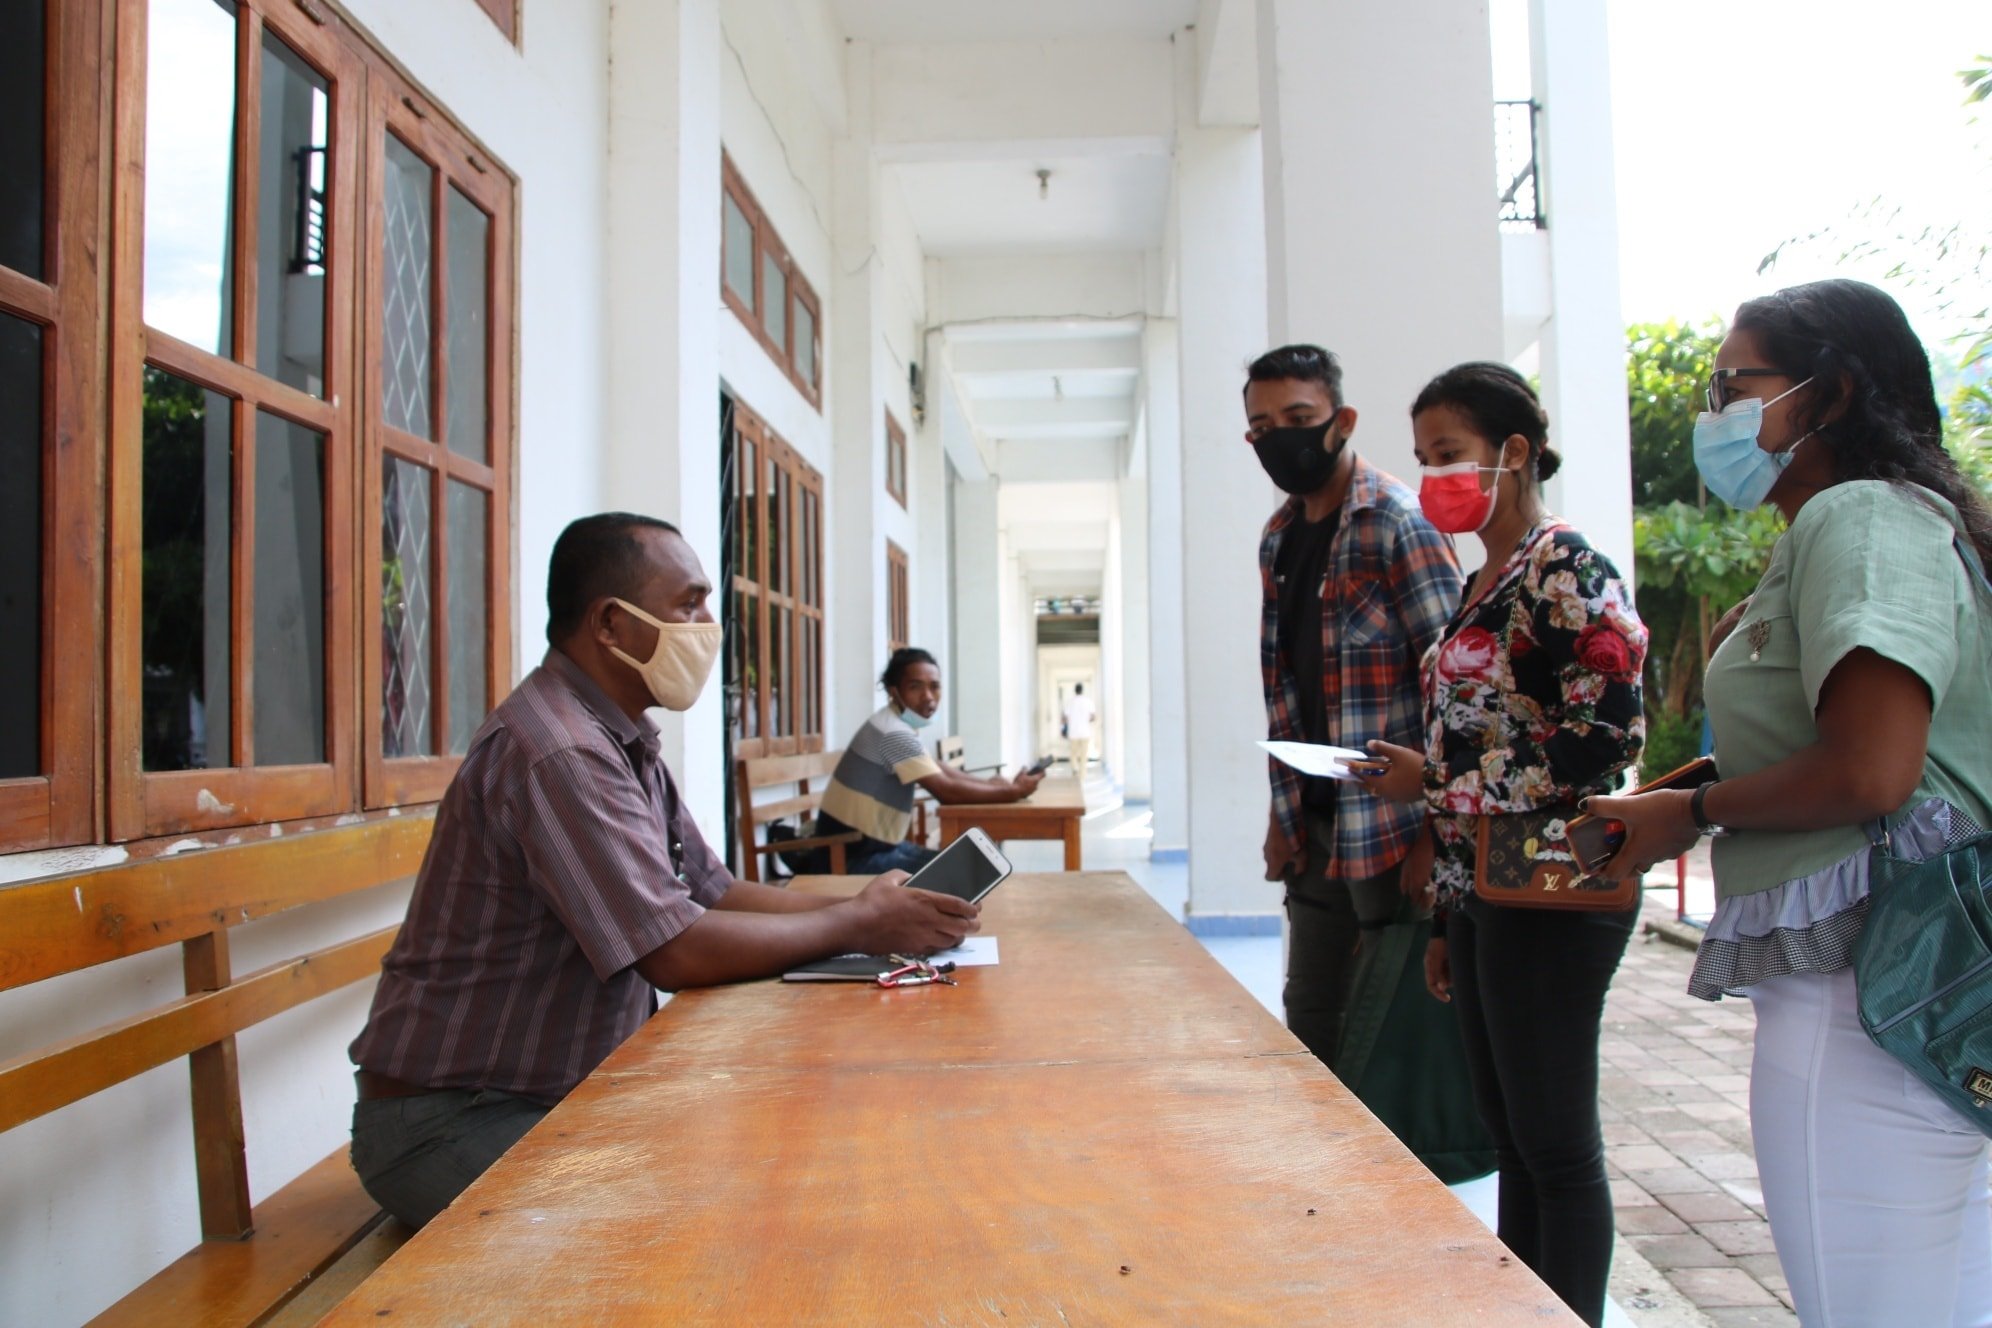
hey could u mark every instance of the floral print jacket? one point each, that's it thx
(1532, 694)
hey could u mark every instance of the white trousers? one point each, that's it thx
(1875, 1186)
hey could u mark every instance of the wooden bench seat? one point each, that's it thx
(752, 774)
(251, 1262)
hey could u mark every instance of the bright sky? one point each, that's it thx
(1740, 123)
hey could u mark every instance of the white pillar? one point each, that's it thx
(663, 310)
(977, 674)
(1225, 501)
(1134, 767)
(1583, 344)
(1382, 240)
(855, 554)
(1161, 378)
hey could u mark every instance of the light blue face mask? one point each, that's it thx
(914, 719)
(1735, 469)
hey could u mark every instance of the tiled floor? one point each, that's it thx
(1674, 1095)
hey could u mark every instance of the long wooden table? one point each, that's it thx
(1103, 1129)
(1053, 812)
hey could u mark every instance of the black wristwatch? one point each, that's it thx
(1696, 809)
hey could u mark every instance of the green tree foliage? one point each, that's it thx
(1666, 369)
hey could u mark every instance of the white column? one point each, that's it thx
(977, 674)
(855, 553)
(1583, 344)
(662, 380)
(1382, 242)
(1134, 768)
(1226, 499)
(1161, 377)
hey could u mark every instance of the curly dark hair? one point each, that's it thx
(1865, 362)
(1499, 403)
(903, 659)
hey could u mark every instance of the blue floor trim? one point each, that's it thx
(1168, 855)
(1208, 925)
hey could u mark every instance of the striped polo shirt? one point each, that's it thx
(562, 854)
(871, 790)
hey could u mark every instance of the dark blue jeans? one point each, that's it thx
(415, 1155)
(1529, 984)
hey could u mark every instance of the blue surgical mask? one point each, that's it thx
(914, 719)
(1731, 463)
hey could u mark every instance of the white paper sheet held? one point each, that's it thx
(973, 952)
(1312, 758)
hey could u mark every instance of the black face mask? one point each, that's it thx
(1296, 458)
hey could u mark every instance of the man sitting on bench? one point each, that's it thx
(565, 879)
(871, 790)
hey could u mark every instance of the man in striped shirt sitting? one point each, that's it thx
(871, 790)
(565, 881)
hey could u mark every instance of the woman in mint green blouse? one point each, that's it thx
(1856, 685)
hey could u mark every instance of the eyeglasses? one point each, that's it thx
(1717, 392)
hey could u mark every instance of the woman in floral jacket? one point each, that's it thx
(1532, 700)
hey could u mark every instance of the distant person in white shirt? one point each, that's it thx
(1079, 727)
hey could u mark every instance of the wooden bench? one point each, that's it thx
(251, 1262)
(754, 773)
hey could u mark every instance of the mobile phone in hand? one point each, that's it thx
(1042, 764)
(1594, 841)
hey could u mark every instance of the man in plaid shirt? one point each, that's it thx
(1357, 586)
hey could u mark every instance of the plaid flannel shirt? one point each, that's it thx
(1393, 583)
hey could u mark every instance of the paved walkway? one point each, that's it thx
(1675, 1093)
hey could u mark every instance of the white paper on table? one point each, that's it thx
(1312, 758)
(973, 952)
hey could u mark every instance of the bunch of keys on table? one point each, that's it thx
(916, 973)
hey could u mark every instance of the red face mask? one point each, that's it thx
(1453, 499)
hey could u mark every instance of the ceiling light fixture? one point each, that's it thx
(1044, 183)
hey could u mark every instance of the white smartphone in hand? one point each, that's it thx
(968, 869)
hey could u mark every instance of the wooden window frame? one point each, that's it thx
(89, 303)
(767, 461)
(505, 13)
(145, 802)
(800, 294)
(396, 107)
(895, 460)
(898, 599)
(60, 805)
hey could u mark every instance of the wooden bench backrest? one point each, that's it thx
(952, 751)
(751, 774)
(64, 923)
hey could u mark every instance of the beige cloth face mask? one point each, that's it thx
(678, 668)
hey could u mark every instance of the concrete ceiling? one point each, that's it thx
(1096, 203)
(1009, 20)
(1058, 531)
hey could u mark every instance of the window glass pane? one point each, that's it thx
(812, 674)
(20, 547)
(738, 243)
(750, 670)
(468, 309)
(186, 580)
(287, 702)
(780, 723)
(465, 596)
(778, 532)
(405, 321)
(805, 343)
(290, 222)
(190, 170)
(774, 299)
(806, 591)
(746, 465)
(23, 50)
(405, 609)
